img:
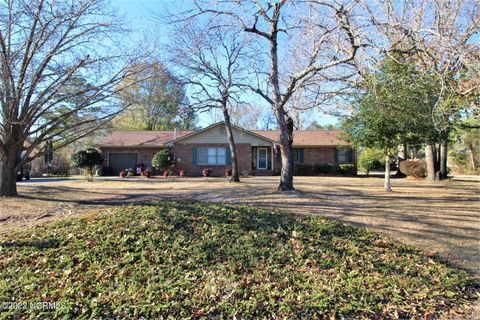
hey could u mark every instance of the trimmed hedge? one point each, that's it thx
(304, 169)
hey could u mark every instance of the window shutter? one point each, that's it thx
(335, 155)
(194, 156)
(229, 155)
(350, 156)
(300, 155)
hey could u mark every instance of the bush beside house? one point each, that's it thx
(163, 160)
(87, 160)
(303, 169)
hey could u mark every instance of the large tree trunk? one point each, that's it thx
(430, 160)
(443, 158)
(231, 143)
(9, 166)
(387, 184)
(286, 175)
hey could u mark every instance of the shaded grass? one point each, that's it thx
(203, 260)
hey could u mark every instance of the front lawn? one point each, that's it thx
(204, 260)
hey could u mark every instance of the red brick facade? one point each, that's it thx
(322, 155)
(247, 158)
(184, 155)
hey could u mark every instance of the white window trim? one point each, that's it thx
(258, 158)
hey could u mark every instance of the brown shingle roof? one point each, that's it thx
(309, 137)
(159, 138)
(139, 138)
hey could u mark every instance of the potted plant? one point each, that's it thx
(228, 173)
(163, 160)
(122, 174)
(146, 173)
(206, 172)
(183, 173)
(87, 160)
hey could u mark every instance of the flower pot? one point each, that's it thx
(183, 173)
(206, 172)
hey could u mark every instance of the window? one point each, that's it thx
(212, 156)
(343, 155)
(297, 155)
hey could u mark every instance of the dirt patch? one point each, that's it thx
(438, 217)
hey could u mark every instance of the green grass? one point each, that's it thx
(205, 260)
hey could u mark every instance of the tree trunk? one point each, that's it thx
(436, 157)
(471, 156)
(286, 175)
(402, 156)
(387, 184)
(231, 143)
(430, 160)
(443, 158)
(8, 175)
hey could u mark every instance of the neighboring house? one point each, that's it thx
(258, 152)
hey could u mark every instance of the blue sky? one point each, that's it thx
(142, 17)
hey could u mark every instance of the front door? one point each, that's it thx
(262, 158)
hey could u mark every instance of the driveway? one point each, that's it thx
(441, 217)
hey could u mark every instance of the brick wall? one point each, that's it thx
(184, 152)
(323, 155)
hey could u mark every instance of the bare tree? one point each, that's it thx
(45, 46)
(212, 66)
(323, 37)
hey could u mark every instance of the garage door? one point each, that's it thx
(122, 161)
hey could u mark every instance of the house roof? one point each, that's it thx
(221, 123)
(311, 138)
(140, 138)
(145, 139)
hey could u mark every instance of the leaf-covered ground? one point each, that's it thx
(205, 260)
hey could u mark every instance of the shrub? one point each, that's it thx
(346, 168)
(163, 160)
(303, 169)
(206, 172)
(413, 168)
(60, 165)
(320, 168)
(87, 159)
(371, 159)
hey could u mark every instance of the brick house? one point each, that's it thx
(258, 152)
